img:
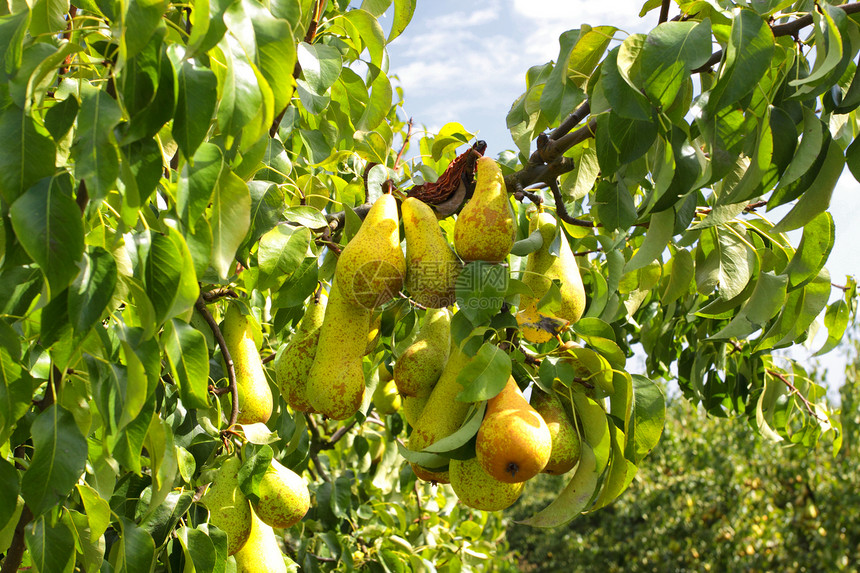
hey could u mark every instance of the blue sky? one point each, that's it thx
(466, 62)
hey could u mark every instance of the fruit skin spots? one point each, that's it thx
(485, 228)
(284, 497)
(229, 509)
(478, 489)
(514, 443)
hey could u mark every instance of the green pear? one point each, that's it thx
(335, 385)
(261, 554)
(229, 509)
(284, 498)
(485, 228)
(386, 400)
(371, 269)
(419, 366)
(432, 267)
(478, 489)
(294, 364)
(566, 444)
(442, 415)
(255, 396)
(542, 268)
(374, 332)
(513, 443)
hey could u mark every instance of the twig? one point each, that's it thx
(561, 210)
(270, 357)
(664, 11)
(793, 390)
(405, 144)
(316, 445)
(211, 296)
(586, 253)
(200, 305)
(411, 302)
(844, 288)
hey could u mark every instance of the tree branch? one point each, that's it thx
(405, 144)
(793, 390)
(200, 305)
(561, 210)
(664, 11)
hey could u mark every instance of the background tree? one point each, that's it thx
(160, 158)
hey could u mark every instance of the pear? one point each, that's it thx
(284, 498)
(335, 385)
(513, 443)
(431, 476)
(255, 396)
(294, 364)
(535, 326)
(478, 489)
(229, 509)
(373, 333)
(412, 408)
(432, 267)
(542, 268)
(485, 229)
(442, 415)
(566, 444)
(386, 400)
(261, 554)
(419, 366)
(371, 269)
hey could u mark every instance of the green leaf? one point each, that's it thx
(530, 244)
(835, 321)
(747, 58)
(646, 422)
(801, 308)
(321, 66)
(670, 52)
(197, 182)
(171, 284)
(574, 498)
(764, 303)
(257, 461)
(818, 238)
(245, 108)
(48, 224)
(28, 153)
(188, 357)
(366, 32)
(94, 150)
(816, 199)
(480, 290)
(485, 375)
(660, 231)
(51, 548)
(141, 19)
(681, 275)
(280, 252)
(134, 550)
(276, 51)
(161, 522)
(96, 508)
(59, 459)
(723, 260)
(615, 207)
(306, 216)
(805, 157)
(92, 290)
(16, 392)
(229, 219)
(195, 106)
(462, 436)
(10, 484)
(199, 548)
(60, 117)
(141, 170)
(403, 11)
(13, 28)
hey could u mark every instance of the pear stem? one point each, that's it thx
(200, 305)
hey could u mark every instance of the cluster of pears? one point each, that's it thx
(282, 502)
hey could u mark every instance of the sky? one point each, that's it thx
(466, 62)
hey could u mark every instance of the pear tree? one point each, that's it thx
(221, 234)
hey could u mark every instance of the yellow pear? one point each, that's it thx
(261, 554)
(294, 364)
(478, 489)
(566, 444)
(541, 269)
(386, 400)
(255, 396)
(284, 498)
(336, 380)
(513, 443)
(229, 509)
(374, 332)
(429, 475)
(442, 415)
(432, 267)
(419, 366)
(371, 269)
(485, 229)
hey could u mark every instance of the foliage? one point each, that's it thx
(161, 156)
(715, 498)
